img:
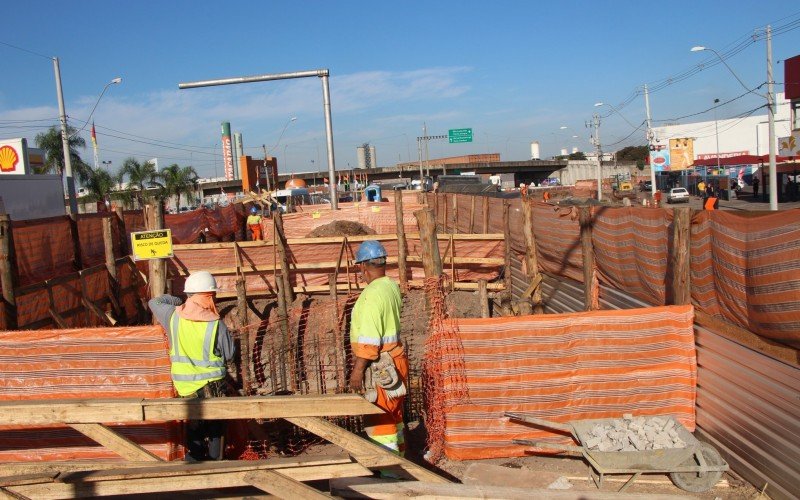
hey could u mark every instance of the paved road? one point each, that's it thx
(746, 202)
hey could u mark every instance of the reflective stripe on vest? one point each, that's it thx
(191, 352)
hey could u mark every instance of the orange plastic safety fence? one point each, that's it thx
(565, 367)
(443, 367)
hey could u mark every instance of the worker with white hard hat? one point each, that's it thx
(199, 349)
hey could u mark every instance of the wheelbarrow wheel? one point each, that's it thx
(696, 482)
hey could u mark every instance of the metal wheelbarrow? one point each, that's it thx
(695, 468)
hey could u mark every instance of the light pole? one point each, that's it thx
(770, 96)
(288, 122)
(595, 123)
(115, 81)
(716, 133)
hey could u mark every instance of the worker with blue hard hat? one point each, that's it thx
(380, 365)
(254, 223)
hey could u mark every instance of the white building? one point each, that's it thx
(737, 136)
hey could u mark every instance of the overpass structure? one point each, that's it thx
(524, 171)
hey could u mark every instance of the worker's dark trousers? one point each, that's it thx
(204, 437)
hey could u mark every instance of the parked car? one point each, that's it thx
(646, 186)
(678, 194)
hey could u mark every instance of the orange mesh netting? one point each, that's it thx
(443, 367)
(631, 250)
(746, 269)
(84, 364)
(43, 249)
(564, 367)
(558, 240)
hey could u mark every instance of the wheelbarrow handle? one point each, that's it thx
(540, 422)
(549, 446)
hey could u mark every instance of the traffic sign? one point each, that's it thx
(152, 244)
(459, 135)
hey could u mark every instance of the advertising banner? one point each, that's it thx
(681, 152)
(659, 160)
(227, 151)
(790, 146)
(14, 157)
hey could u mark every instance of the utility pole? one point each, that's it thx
(73, 202)
(773, 174)
(595, 123)
(267, 171)
(427, 158)
(426, 138)
(650, 137)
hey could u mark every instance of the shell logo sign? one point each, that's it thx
(8, 159)
(13, 157)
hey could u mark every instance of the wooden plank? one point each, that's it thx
(281, 486)
(117, 443)
(106, 470)
(258, 407)
(489, 261)
(483, 296)
(137, 410)
(365, 452)
(432, 262)
(178, 483)
(402, 249)
(8, 266)
(507, 237)
(381, 489)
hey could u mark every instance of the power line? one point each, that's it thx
(26, 50)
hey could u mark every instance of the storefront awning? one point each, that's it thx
(738, 160)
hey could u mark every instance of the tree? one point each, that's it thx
(178, 181)
(578, 155)
(53, 147)
(140, 177)
(633, 153)
(99, 185)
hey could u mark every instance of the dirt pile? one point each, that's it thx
(341, 228)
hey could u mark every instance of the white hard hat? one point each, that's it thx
(200, 281)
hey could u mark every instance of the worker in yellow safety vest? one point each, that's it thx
(380, 365)
(254, 223)
(199, 349)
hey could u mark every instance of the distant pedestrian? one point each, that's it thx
(755, 186)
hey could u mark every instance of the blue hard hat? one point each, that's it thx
(370, 249)
(253, 210)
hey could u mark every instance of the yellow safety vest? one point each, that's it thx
(191, 351)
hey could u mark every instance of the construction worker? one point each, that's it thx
(254, 223)
(380, 365)
(199, 348)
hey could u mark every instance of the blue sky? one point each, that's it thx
(512, 71)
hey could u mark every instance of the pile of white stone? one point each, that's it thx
(634, 434)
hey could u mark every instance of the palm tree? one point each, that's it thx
(50, 142)
(99, 185)
(140, 177)
(178, 181)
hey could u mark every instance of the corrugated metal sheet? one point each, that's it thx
(748, 406)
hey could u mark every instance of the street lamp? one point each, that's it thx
(288, 122)
(770, 96)
(112, 82)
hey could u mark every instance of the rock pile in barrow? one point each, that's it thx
(634, 434)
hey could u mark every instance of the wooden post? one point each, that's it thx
(244, 332)
(485, 215)
(8, 264)
(483, 297)
(531, 261)
(283, 320)
(590, 284)
(445, 218)
(681, 256)
(507, 236)
(455, 214)
(472, 216)
(431, 261)
(401, 240)
(280, 240)
(76, 241)
(157, 268)
(332, 284)
(124, 248)
(111, 263)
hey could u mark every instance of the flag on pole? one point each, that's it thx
(94, 146)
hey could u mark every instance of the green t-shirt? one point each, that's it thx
(375, 322)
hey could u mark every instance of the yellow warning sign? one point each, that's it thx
(152, 244)
(376, 209)
(316, 214)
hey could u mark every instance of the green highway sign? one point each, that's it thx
(459, 135)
